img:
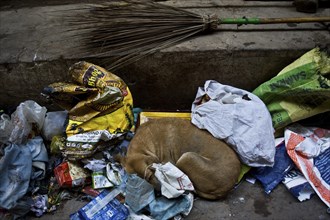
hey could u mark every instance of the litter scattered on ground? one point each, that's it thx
(48, 157)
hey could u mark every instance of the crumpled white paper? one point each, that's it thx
(173, 181)
(239, 118)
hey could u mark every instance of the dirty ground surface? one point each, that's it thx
(247, 201)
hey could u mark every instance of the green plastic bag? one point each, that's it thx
(299, 91)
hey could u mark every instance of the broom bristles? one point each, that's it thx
(128, 30)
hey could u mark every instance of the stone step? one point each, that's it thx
(36, 51)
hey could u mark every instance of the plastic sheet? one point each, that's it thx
(238, 117)
(270, 177)
(54, 124)
(309, 148)
(299, 91)
(26, 114)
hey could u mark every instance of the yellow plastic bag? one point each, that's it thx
(100, 108)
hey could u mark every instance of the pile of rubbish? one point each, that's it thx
(47, 157)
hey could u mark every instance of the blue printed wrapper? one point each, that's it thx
(297, 185)
(270, 177)
(104, 206)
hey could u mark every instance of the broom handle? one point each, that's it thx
(272, 20)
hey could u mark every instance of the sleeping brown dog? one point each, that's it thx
(211, 165)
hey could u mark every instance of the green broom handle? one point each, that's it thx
(272, 20)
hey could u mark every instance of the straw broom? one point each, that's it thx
(132, 29)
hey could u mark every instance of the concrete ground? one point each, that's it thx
(246, 202)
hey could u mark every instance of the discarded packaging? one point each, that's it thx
(6, 127)
(298, 186)
(84, 145)
(100, 102)
(299, 91)
(114, 173)
(173, 181)
(309, 148)
(54, 124)
(100, 180)
(104, 206)
(270, 177)
(239, 118)
(94, 164)
(139, 193)
(40, 204)
(28, 116)
(105, 93)
(57, 144)
(69, 174)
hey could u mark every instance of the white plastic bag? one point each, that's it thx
(238, 117)
(173, 181)
(26, 114)
(54, 124)
(6, 127)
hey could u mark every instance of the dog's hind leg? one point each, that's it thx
(206, 175)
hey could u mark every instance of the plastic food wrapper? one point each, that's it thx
(239, 118)
(69, 174)
(115, 173)
(54, 124)
(86, 144)
(100, 101)
(40, 203)
(104, 206)
(58, 143)
(173, 181)
(309, 148)
(270, 177)
(100, 180)
(94, 164)
(139, 193)
(28, 115)
(298, 186)
(299, 91)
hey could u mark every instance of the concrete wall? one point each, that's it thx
(35, 52)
